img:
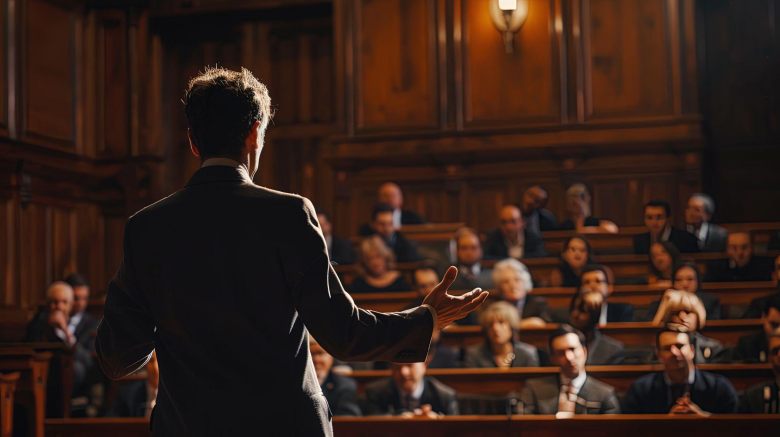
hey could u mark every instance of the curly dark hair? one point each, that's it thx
(221, 106)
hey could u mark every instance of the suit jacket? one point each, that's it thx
(603, 350)
(710, 301)
(383, 398)
(753, 401)
(480, 356)
(443, 356)
(620, 312)
(535, 306)
(759, 268)
(752, 348)
(341, 251)
(495, 246)
(465, 282)
(540, 220)
(540, 396)
(683, 240)
(341, 393)
(715, 240)
(225, 279)
(709, 350)
(756, 308)
(407, 218)
(651, 395)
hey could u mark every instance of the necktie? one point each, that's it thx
(566, 399)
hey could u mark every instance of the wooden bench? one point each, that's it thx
(33, 368)
(7, 387)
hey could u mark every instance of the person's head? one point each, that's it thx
(577, 253)
(59, 297)
(771, 316)
(687, 277)
(534, 197)
(584, 311)
(596, 278)
(699, 210)
(227, 115)
(407, 376)
(390, 193)
(499, 323)
(375, 257)
(325, 224)
(322, 360)
(657, 213)
(568, 350)
(382, 220)
(80, 292)
(739, 248)
(511, 222)
(578, 200)
(663, 257)
(774, 353)
(425, 278)
(676, 352)
(468, 247)
(512, 279)
(681, 309)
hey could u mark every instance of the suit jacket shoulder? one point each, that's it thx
(717, 237)
(442, 395)
(599, 397)
(642, 243)
(495, 247)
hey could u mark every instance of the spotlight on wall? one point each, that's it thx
(508, 16)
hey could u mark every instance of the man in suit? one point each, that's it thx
(390, 193)
(84, 326)
(224, 279)
(537, 219)
(752, 348)
(513, 283)
(596, 278)
(468, 251)
(340, 250)
(681, 388)
(711, 237)
(339, 390)
(764, 398)
(757, 305)
(572, 391)
(382, 225)
(511, 239)
(408, 392)
(658, 214)
(584, 312)
(742, 264)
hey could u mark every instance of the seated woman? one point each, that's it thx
(513, 283)
(663, 257)
(377, 266)
(575, 255)
(688, 278)
(578, 211)
(501, 348)
(685, 312)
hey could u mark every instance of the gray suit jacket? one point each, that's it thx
(604, 350)
(540, 396)
(225, 279)
(715, 240)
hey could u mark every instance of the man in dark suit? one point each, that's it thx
(658, 214)
(468, 253)
(408, 392)
(752, 348)
(537, 219)
(224, 279)
(390, 194)
(382, 225)
(572, 391)
(596, 278)
(511, 239)
(764, 398)
(757, 305)
(711, 237)
(339, 390)
(681, 388)
(84, 326)
(340, 250)
(584, 312)
(742, 264)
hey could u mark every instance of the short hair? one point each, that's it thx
(665, 329)
(565, 329)
(596, 268)
(76, 280)
(380, 208)
(464, 231)
(660, 204)
(375, 243)
(674, 301)
(500, 310)
(772, 302)
(58, 284)
(221, 106)
(578, 190)
(709, 204)
(513, 265)
(692, 266)
(671, 249)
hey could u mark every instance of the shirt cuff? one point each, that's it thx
(434, 315)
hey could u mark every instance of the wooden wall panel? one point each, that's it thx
(8, 253)
(3, 68)
(510, 89)
(114, 93)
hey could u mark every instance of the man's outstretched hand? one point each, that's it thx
(450, 308)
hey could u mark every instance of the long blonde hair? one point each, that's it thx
(674, 301)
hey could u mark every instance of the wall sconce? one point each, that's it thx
(508, 16)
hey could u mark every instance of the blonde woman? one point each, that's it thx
(502, 347)
(377, 266)
(685, 312)
(513, 284)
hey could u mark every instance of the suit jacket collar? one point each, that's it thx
(220, 173)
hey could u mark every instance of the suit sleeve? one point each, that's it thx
(633, 400)
(125, 336)
(611, 404)
(329, 313)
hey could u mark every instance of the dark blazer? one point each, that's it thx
(341, 251)
(683, 240)
(404, 250)
(603, 350)
(130, 400)
(650, 394)
(620, 312)
(464, 282)
(495, 246)
(756, 308)
(225, 279)
(710, 301)
(540, 220)
(383, 398)
(716, 239)
(480, 356)
(443, 356)
(535, 306)
(341, 393)
(753, 401)
(407, 218)
(759, 268)
(360, 285)
(541, 396)
(752, 348)
(709, 350)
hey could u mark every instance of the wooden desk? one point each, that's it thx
(33, 368)
(59, 390)
(100, 427)
(7, 388)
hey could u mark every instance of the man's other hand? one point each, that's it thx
(450, 308)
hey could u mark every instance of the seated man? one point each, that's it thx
(382, 225)
(514, 285)
(711, 237)
(681, 388)
(340, 250)
(658, 222)
(764, 398)
(511, 239)
(390, 194)
(757, 305)
(340, 391)
(468, 251)
(572, 391)
(584, 312)
(535, 216)
(137, 398)
(596, 278)
(741, 264)
(753, 348)
(408, 392)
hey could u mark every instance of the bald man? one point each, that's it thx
(389, 193)
(511, 238)
(742, 264)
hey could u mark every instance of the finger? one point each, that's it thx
(475, 303)
(470, 295)
(446, 281)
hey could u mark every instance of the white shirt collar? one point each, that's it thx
(603, 314)
(576, 383)
(397, 218)
(666, 234)
(418, 391)
(701, 233)
(74, 321)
